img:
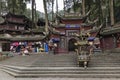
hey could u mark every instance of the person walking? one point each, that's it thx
(22, 51)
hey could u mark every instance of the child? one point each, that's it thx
(26, 51)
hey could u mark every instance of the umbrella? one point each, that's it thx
(91, 38)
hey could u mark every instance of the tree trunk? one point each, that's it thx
(36, 17)
(112, 13)
(33, 2)
(13, 8)
(83, 7)
(52, 10)
(46, 17)
(99, 12)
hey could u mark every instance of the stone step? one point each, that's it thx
(100, 55)
(73, 65)
(59, 61)
(63, 72)
(42, 60)
(53, 65)
(102, 63)
(59, 68)
(99, 62)
(105, 60)
(66, 75)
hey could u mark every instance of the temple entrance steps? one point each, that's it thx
(100, 66)
(63, 72)
(43, 60)
(58, 60)
(105, 60)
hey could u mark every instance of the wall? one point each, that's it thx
(17, 20)
(107, 42)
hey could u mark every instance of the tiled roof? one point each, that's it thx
(21, 38)
(110, 30)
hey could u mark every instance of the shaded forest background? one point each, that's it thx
(100, 9)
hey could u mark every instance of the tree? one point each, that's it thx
(46, 17)
(83, 7)
(50, 9)
(72, 6)
(3, 8)
(17, 6)
(112, 12)
(117, 10)
(33, 8)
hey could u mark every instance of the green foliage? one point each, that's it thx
(16, 6)
(99, 9)
(117, 10)
(76, 7)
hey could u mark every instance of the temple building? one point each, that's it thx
(16, 30)
(64, 34)
(66, 26)
(110, 37)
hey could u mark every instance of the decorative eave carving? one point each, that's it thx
(73, 16)
(110, 30)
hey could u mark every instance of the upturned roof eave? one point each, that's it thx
(73, 18)
(9, 22)
(16, 15)
(25, 38)
(110, 31)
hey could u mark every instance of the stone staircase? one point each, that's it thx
(64, 65)
(60, 60)
(105, 60)
(71, 72)
(43, 60)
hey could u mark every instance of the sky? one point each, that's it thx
(39, 5)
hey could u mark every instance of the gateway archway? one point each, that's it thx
(71, 45)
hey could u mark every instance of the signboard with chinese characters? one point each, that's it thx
(72, 26)
(72, 32)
